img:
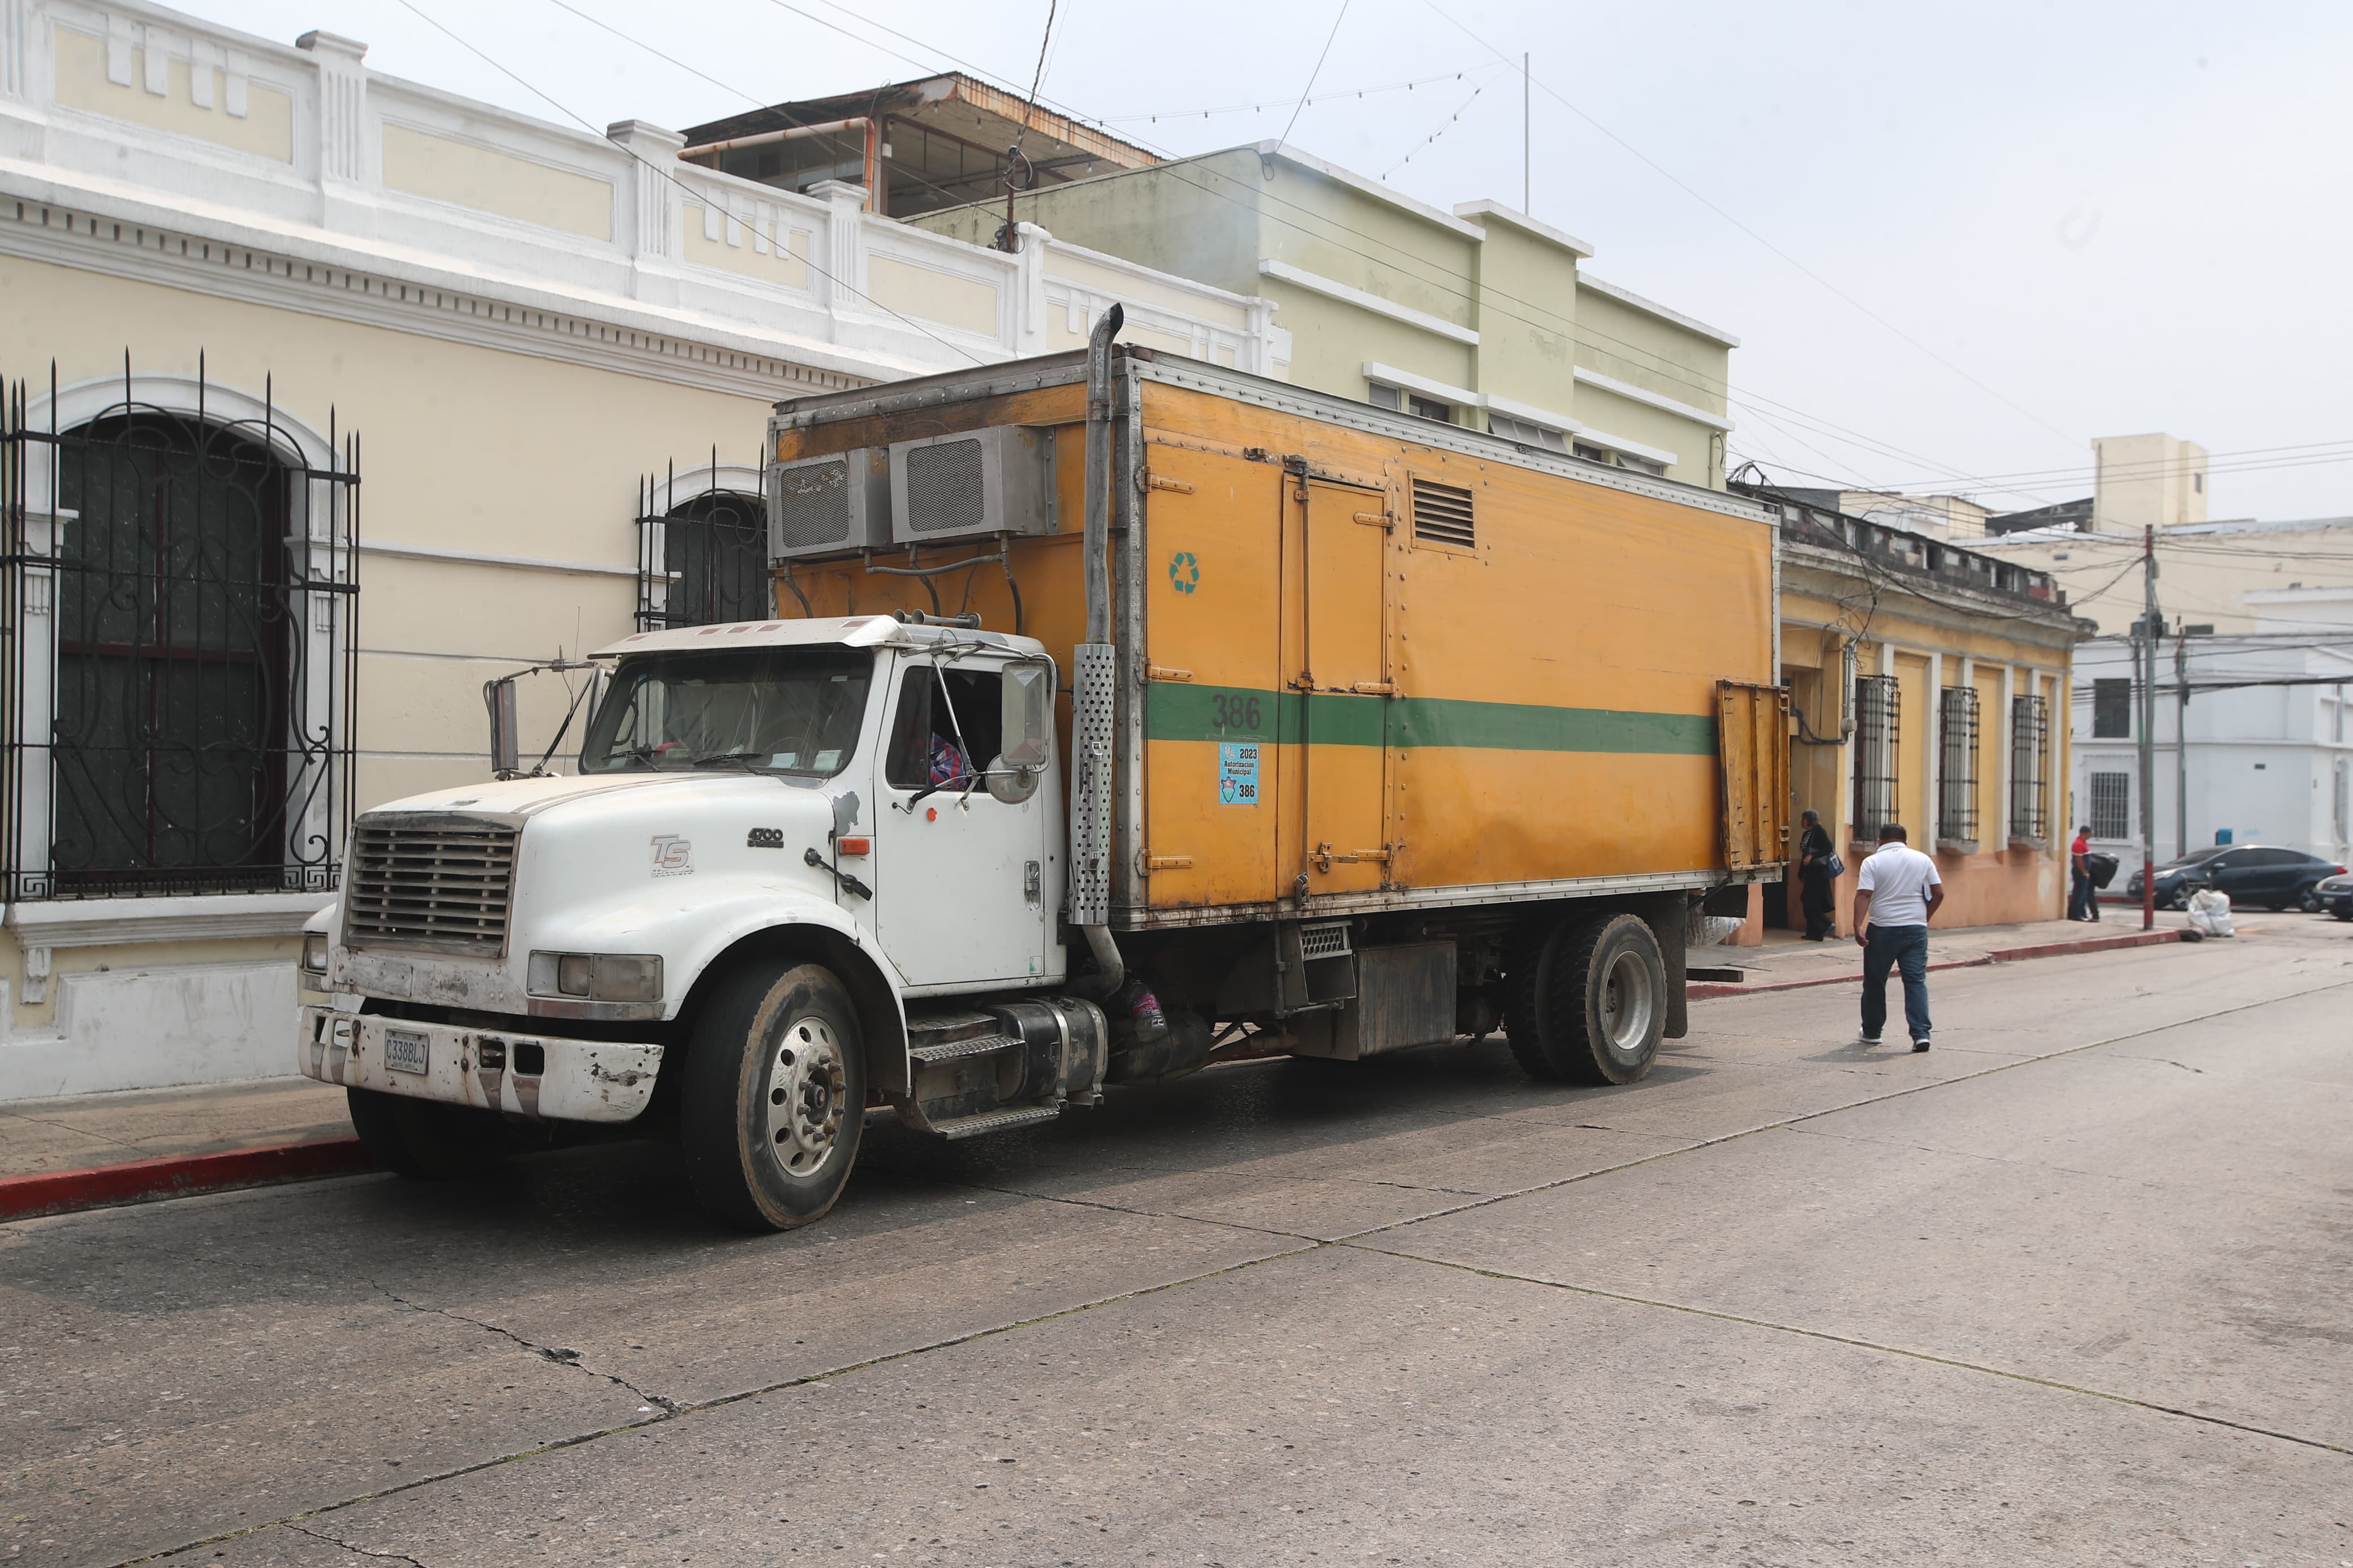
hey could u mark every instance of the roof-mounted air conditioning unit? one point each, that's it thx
(999, 481)
(829, 506)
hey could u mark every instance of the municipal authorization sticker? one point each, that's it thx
(1237, 772)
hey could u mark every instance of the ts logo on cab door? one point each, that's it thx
(673, 856)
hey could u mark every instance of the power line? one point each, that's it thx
(1330, 94)
(839, 283)
(1680, 185)
(1328, 39)
(1453, 121)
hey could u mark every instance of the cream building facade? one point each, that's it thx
(1480, 316)
(332, 397)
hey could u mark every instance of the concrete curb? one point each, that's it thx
(2002, 955)
(179, 1175)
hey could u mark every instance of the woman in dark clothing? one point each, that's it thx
(1814, 894)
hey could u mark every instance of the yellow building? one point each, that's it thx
(1930, 686)
(229, 622)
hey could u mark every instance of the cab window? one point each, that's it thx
(946, 732)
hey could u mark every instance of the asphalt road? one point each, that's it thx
(2077, 1287)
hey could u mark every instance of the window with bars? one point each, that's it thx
(2112, 708)
(2112, 805)
(176, 676)
(2030, 769)
(704, 560)
(1957, 776)
(1876, 704)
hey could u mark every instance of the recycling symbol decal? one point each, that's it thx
(1184, 572)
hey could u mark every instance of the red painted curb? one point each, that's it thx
(138, 1181)
(2096, 945)
(2004, 955)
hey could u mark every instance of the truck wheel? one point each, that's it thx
(1596, 997)
(424, 1139)
(373, 1120)
(1524, 999)
(775, 1096)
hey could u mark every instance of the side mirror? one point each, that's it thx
(1027, 714)
(506, 746)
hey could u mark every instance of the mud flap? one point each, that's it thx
(1669, 918)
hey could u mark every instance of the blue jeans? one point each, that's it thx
(2079, 896)
(1905, 947)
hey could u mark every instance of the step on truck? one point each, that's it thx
(1116, 715)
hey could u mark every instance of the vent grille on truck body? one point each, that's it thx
(434, 882)
(829, 505)
(1442, 514)
(947, 490)
(971, 485)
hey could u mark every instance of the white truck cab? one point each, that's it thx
(804, 866)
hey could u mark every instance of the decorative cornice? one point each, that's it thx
(1633, 393)
(256, 275)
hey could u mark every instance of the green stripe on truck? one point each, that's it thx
(1179, 710)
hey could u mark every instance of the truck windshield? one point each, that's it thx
(773, 709)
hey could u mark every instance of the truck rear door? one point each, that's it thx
(1342, 683)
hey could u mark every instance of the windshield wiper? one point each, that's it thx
(731, 758)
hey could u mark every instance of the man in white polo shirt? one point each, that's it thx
(1895, 893)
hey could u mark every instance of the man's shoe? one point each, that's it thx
(1867, 1040)
(1920, 1045)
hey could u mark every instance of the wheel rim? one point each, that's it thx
(808, 1085)
(1627, 1001)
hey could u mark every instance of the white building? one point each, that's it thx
(2270, 742)
(219, 258)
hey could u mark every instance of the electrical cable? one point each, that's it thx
(1329, 39)
(1453, 121)
(1664, 174)
(840, 283)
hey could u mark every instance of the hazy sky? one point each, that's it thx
(2102, 219)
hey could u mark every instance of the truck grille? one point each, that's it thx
(435, 882)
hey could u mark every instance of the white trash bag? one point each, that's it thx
(2210, 912)
(1706, 931)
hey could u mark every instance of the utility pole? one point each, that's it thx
(2181, 745)
(2145, 655)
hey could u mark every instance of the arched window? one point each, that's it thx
(715, 549)
(169, 736)
(703, 555)
(183, 672)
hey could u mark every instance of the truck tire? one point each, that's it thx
(775, 1096)
(425, 1139)
(1523, 999)
(372, 1119)
(1595, 1002)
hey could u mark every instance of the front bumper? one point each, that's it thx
(577, 1080)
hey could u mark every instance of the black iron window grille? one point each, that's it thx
(1956, 772)
(1875, 714)
(2030, 770)
(177, 617)
(2112, 805)
(703, 559)
(2112, 705)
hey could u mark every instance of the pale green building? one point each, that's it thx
(1482, 317)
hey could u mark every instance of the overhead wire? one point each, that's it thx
(1688, 190)
(648, 163)
(1329, 39)
(1452, 122)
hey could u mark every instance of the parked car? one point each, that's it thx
(2335, 894)
(2249, 873)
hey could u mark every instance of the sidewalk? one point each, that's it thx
(82, 1151)
(1787, 957)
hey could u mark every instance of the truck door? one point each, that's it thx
(1342, 684)
(959, 876)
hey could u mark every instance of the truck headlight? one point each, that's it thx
(597, 976)
(314, 952)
